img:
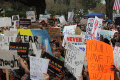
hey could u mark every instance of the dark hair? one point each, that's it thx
(106, 40)
(57, 44)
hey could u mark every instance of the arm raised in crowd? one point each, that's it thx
(20, 60)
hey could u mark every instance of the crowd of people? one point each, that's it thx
(23, 73)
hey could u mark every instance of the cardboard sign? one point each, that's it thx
(74, 59)
(6, 41)
(5, 21)
(31, 15)
(32, 39)
(62, 20)
(117, 56)
(83, 21)
(15, 18)
(38, 66)
(78, 31)
(54, 33)
(99, 60)
(22, 48)
(55, 65)
(8, 59)
(25, 22)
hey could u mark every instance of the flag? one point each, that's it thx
(116, 5)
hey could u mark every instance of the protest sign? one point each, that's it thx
(22, 48)
(83, 48)
(47, 46)
(57, 16)
(31, 15)
(25, 22)
(33, 26)
(117, 56)
(78, 31)
(51, 21)
(32, 39)
(43, 17)
(8, 59)
(75, 39)
(70, 16)
(89, 26)
(10, 33)
(54, 33)
(62, 20)
(74, 59)
(5, 21)
(18, 39)
(107, 34)
(36, 52)
(68, 30)
(38, 66)
(99, 60)
(15, 18)
(25, 32)
(55, 65)
(94, 33)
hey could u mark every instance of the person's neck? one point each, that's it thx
(59, 56)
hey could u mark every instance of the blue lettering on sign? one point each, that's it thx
(82, 48)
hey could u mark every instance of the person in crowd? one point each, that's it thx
(59, 54)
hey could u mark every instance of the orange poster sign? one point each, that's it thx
(99, 60)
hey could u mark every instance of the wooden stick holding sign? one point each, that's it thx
(7, 75)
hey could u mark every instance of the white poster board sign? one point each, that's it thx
(62, 20)
(43, 17)
(8, 59)
(32, 39)
(38, 66)
(70, 16)
(116, 54)
(31, 15)
(68, 30)
(74, 59)
(15, 18)
(5, 21)
(75, 39)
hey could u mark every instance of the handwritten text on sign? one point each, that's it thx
(74, 59)
(38, 66)
(54, 33)
(8, 59)
(99, 60)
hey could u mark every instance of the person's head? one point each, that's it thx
(58, 52)
(56, 44)
(26, 62)
(106, 40)
(101, 38)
